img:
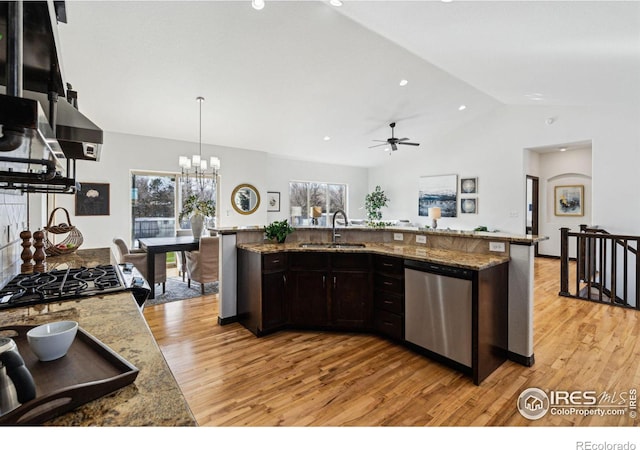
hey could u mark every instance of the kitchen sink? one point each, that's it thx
(331, 245)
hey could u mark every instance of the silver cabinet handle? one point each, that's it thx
(334, 282)
(284, 278)
(324, 281)
(275, 261)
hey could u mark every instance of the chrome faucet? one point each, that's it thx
(333, 225)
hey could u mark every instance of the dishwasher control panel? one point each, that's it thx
(440, 269)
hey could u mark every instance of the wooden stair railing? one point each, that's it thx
(607, 268)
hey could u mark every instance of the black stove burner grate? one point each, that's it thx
(29, 289)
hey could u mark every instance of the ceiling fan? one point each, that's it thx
(393, 141)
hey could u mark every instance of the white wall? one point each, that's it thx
(122, 153)
(280, 171)
(492, 148)
(561, 169)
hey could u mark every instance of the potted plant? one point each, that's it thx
(197, 209)
(278, 231)
(373, 203)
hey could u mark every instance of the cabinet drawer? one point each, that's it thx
(389, 264)
(309, 261)
(274, 261)
(389, 284)
(389, 324)
(351, 261)
(389, 302)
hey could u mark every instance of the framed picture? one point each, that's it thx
(569, 200)
(469, 205)
(92, 199)
(468, 185)
(440, 191)
(273, 201)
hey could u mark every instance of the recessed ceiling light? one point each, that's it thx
(257, 4)
(404, 82)
(462, 107)
(446, 1)
(535, 96)
(563, 149)
(335, 2)
(327, 138)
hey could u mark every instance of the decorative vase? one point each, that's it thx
(197, 225)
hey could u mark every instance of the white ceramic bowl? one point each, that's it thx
(52, 340)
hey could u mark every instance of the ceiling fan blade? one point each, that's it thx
(379, 145)
(402, 139)
(394, 147)
(409, 143)
(378, 140)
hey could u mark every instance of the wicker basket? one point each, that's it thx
(69, 244)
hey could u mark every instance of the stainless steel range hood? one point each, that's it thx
(32, 159)
(78, 136)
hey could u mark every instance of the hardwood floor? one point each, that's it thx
(293, 378)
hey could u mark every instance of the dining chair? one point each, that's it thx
(139, 259)
(202, 264)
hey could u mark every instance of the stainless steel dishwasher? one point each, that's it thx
(438, 309)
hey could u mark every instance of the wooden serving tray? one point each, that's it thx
(88, 371)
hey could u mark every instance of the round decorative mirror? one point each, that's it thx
(245, 199)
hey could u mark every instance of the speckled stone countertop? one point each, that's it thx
(154, 398)
(473, 261)
(487, 235)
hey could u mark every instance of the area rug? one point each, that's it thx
(176, 289)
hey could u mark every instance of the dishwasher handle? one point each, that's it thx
(439, 269)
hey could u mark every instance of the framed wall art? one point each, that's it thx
(92, 199)
(273, 201)
(469, 205)
(438, 191)
(569, 200)
(468, 185)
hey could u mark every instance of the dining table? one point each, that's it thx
(157, 245)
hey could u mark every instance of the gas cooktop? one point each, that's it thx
(66, 284)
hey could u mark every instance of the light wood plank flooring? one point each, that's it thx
(231, 378)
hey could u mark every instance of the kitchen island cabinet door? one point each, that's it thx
(274, 294)
(308, 299)
(351, 300)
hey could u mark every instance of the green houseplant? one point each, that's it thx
(373, 203)
(197, 209)
(278, 230)
(194, 205)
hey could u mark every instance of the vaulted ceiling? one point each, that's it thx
(281, 79)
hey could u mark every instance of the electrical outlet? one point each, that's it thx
(514, 214)
(496, 246)
(398, 237)
(420, 239)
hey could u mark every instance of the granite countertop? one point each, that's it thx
(473, 261)
(154, 398)
(487, 235)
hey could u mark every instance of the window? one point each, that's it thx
(153, 205)
(203, 187)
(312, 203)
